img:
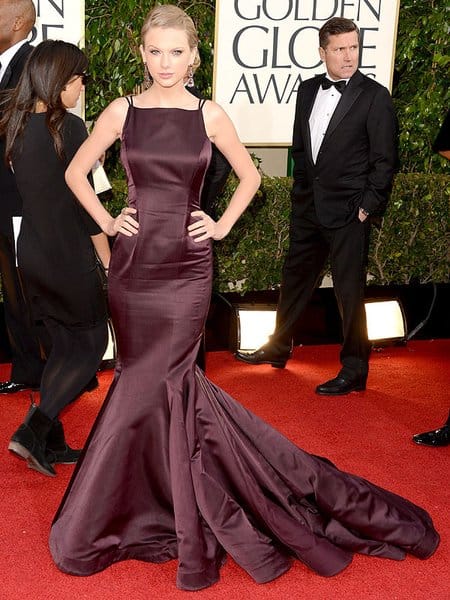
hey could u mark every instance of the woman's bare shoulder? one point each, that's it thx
(213, 109)
(118, 107)
(114, 115)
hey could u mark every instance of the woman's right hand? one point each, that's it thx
(123, 223)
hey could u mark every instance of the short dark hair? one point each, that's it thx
(336, 26)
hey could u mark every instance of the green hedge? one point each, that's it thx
(412, 244)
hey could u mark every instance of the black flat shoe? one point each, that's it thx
(66, 456)
(341, 385)
(29, 441)
(57, 450)
(438, 437)
(264, 356)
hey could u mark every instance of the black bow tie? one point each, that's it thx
(339, 85)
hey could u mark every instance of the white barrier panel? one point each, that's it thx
(264, 49)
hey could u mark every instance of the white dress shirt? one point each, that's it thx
(320, 117)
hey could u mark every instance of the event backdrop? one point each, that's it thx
(265, 48)
(59, 20)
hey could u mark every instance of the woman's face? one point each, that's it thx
(72, 91)
(167, 54)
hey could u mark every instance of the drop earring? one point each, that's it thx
(147, 77)
(190, 79)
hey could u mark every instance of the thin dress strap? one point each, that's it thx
(129, 100)
(201, 103)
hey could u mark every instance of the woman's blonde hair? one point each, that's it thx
(170, 16)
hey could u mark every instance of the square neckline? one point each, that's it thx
(201, 103)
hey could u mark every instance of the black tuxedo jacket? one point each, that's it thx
(10, 202)
(358, 155)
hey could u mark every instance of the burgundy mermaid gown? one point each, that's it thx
(174, 467)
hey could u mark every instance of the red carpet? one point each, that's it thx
(367, 433)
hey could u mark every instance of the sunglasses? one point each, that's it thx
(84, 77)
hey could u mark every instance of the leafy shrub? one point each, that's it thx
(411, 246)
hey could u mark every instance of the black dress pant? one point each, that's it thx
(310, 246)
(28, 341)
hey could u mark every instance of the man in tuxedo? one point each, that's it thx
(345, 154)
(17, 18)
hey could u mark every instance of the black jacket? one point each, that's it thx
(358, 155)
(10, 202)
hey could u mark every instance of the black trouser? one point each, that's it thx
(74, 358)
(310, 245)
(26, 339)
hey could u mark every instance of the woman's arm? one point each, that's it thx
(221, 131)
(107, 130)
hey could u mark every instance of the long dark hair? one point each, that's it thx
(50, 66)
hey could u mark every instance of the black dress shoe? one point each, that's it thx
(438, 437)
(9, 387)
(264, 356)
(341, 385)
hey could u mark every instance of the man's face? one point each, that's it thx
(7, 20)
(341, 55)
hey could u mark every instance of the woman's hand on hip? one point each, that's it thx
(124, 223)
(205, 227)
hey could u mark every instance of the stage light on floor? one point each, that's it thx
(385, 320)
(255, 323)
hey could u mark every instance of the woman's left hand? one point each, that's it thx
(205, 227)
(124, 223)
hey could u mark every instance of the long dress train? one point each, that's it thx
(174, 467)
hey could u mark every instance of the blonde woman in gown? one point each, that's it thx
(174, 467)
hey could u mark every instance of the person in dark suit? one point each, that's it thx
(345, 155)
(17, 18)
(213, 185)
(440, 436)
(216, 174)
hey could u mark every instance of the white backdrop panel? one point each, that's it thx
(265, 48)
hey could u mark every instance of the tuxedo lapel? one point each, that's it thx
(349, 96)
(308, 102)
(6, 77)
(310, 95)
(20, 55)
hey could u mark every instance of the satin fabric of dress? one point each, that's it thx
(174, 467)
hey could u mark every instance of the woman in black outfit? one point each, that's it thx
(56, 253)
